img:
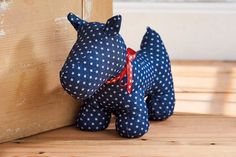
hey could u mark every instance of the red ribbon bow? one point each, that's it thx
(130, 56)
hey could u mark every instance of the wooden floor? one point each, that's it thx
(204, 124)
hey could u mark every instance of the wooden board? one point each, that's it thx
(181, 135)
(204, 76)
(35, 39)
(206, 87)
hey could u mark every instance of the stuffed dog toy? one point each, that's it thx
(111, 79)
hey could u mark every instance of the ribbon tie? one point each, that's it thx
(130, 56)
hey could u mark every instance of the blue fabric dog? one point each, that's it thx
(109, 78)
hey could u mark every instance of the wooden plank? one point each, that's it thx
(35, 40)
(204, 76)
(206, 103)
(181, 135)
(206, 87)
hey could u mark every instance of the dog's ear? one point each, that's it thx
(75, 21)
(151, 39)
(113, 25)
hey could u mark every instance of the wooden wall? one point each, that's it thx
(35, 38)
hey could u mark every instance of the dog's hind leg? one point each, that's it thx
(160, 107)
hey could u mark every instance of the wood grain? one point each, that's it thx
(204, 76)
(207, 87)
(38, 39)
(181, 135)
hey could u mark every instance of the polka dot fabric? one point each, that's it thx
(99, 55)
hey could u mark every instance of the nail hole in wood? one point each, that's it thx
(41, 152)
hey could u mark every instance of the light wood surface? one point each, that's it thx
(188, 133)
(181, 135)
(205, 87)
(35, 39)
